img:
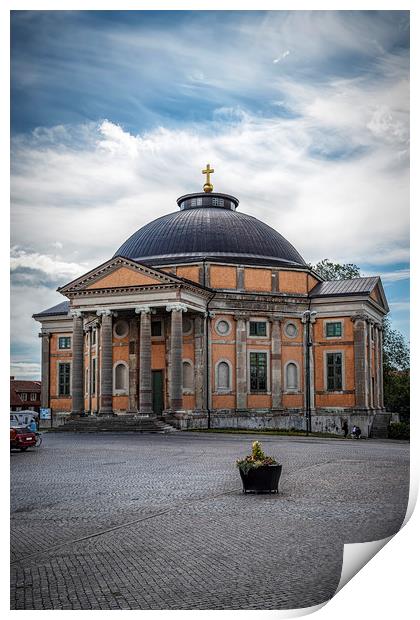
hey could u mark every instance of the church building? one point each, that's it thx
(208, 317)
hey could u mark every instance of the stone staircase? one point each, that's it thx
(116, 424)
(379, 428)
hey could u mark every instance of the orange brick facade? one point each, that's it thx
(222, 346)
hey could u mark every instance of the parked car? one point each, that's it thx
(21, 438)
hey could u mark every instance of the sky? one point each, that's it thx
(303, 115)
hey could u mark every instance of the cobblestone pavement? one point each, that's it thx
(132, 521)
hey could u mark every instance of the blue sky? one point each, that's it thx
(304, 116)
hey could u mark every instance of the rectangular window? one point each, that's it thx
(64, 379)
(334, 330)
(94, 375)
(334, 371)
(217, 202)
(33, 396)
(23, 396)
(64, 342)
(156, 328)
(257, 328)
(258, 372)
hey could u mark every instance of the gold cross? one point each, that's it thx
(208, 187)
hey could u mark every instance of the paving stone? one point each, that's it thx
(128, 521)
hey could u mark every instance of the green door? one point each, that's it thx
(157, 386)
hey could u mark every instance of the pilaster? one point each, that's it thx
(241, 362)
(276, 374)
(360, 360)
(45, 368)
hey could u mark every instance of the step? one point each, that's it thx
(117, 424)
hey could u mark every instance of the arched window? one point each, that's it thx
(187, 376)
(120, 376)
(291, 376)
(223, 376)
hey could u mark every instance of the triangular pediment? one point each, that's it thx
(378, 295)
(119, 273)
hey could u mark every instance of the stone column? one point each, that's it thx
(145, 370)
(199, 352)
(369, 365)
(175, 395)
(241, 362)
(360, 360)
(97, 328)
(376, 366)
(133, 372)
(45, 368)
(89, 366)
(276, 375)
(380, 366)
(105, 399)
(77, 396)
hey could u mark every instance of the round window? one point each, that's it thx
(121, 329)
(291, 330)
(222, 327)
(186, 325)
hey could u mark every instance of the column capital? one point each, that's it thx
(177, 307)
(241, 316)
(44, 335)
(76, 314)
(105, 312)
(276, 317)
(360, 316)
(144, 310)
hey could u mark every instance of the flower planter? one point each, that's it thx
(264, 479)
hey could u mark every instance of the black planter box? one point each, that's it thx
(264, 479)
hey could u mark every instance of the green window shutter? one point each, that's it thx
(334, 329)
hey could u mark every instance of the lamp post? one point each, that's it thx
(307, 318)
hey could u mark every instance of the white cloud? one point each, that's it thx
(25, 370)
(394, 276)
(281, 57)
(22, 259)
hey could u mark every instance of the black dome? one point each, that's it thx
(213, 232)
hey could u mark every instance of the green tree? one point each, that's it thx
(334, 271)
(396, 351)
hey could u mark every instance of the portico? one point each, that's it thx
(123, 340)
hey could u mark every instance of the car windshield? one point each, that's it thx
(22, 430)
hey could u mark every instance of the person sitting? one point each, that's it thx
(356, 432)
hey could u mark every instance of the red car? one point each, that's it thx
(22, 438)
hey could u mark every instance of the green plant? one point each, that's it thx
(399, 430)
(257, 458)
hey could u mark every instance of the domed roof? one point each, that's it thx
(209, 227)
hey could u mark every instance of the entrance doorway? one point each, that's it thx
(157, 391)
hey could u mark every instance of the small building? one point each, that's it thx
(25, 395)
(211, 317)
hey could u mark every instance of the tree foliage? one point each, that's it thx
(334, 271)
